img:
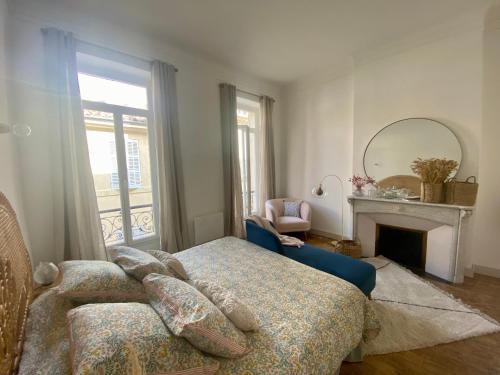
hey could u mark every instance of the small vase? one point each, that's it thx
(358, 192)
(46, 273)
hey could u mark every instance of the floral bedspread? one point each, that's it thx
(310, 321)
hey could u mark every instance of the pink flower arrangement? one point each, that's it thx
(360, 182)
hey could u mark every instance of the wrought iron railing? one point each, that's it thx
(141, 219)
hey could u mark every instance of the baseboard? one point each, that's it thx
(321, 233)
(487, 271)
(469, 271)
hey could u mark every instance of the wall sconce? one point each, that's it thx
(17, 130)
(320, 192)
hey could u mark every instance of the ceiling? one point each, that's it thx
(279, 40)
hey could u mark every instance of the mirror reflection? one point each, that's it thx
(392, 150)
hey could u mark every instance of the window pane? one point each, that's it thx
(102, 153)
(140, 190)
(104, 90)
(247, 116)
(243, 156)
(253, 172)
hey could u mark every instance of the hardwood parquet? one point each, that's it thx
(474, 356)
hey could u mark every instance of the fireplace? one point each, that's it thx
(442, 229)
(405, 246)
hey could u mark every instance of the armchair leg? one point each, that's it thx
(306, 235)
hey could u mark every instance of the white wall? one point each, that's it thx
(198, 113)
(441, 80)
(319, 142)
(487, 224)
(9, 179)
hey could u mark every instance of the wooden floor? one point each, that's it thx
(479, 355)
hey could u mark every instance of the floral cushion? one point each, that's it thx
(88, 281)
(189, 314)
(239, 313)
(173, 264)
(46, 344)
(135, 262)
(292, 208)
(129, 338)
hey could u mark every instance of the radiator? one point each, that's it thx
(208, 227)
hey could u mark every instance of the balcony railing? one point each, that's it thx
(141, 219)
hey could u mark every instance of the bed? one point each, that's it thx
(309, 320)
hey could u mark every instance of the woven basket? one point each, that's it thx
(431, 193)
(462, 193)
(349, 248)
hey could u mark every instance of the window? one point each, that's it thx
(133, 164)
(122, 156)
(248, 120)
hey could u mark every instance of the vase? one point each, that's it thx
(46, 273)
(358, 192)
(431, 193)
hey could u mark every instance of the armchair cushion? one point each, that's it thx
(292, 224)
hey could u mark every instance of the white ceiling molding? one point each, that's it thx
(471, 21)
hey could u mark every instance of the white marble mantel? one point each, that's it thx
(445, 224)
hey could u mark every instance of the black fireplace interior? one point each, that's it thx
(404, 246)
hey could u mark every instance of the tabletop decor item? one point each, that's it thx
(433, 172)
(350, 248)
(461, 193)
(392, 193)
(45, 273)
(359, 183)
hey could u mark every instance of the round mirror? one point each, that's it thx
(393, 149)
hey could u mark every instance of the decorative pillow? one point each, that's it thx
(239, 313)
(87, 281)
(189, 314)
(46, 344)
(292, 208)
(129, 338)
(135, 262)
(173, 264)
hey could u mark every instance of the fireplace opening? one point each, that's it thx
(402, 245)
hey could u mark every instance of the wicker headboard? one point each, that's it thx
(16, 288)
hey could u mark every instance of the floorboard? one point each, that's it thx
(475, 356)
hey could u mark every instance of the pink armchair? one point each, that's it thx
(286, 224)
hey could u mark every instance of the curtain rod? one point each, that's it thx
(253, 94)
(94, 45)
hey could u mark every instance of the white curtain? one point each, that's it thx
(174, 234)
(267, 178)
(233, 201)
(77, 233)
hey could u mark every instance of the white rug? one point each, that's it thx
(415, 314)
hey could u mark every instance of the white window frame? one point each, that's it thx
(121, 149)
(121, 158)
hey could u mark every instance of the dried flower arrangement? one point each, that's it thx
(359, 182)
(434, 171)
